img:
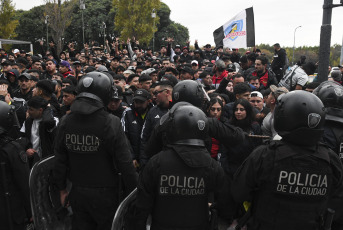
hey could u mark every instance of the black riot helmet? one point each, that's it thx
(7, 117)
(299, 117)
(331, 94)
(190, 91)
(97, 86)
(187, 125)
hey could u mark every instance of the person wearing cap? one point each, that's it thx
(235, 56)
(115, 63)
(279, 61)
(25, 89)
(165, 63)
(195, 65)
(268, 122)
(39, 129)
(257, 101)
(186, 73)
(219, 53)
(185, 57)
(64, 68)
(12, 77)
(133, 119)
(45, 89)
(207, 53)
(6, 66)
(115, 106)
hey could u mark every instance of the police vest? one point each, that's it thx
(182, 195)
(338, 132)
(87, 140)
(296, 191)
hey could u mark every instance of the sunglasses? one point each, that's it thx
(157, 92)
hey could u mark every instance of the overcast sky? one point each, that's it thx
(275, 20)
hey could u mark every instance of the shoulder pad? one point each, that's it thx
(273, 144)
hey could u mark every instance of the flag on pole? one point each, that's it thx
(239, 32)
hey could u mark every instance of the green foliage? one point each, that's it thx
(8, 23)
(133, 19)
(31, 25)
(311, 53)
(168, 28)
(95, 13)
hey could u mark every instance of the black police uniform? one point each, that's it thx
(174, 188)
(333, 137)
(91, 145)
(289, 186)
(14, 164)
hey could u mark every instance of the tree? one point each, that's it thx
(31, 25)
(95, 13)
(133, 19)
(8, 23)
(168, 28)
(60, 17)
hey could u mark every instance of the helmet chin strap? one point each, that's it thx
(90, 95)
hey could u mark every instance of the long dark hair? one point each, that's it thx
(250, 118)
(214, 100)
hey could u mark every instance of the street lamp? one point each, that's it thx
(82, 8)
(103, 27)
(294, 44)
(153, 15)
(47, 31)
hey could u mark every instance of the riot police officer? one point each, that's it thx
(91, 149)
(175, 184)
(15, 211)
(289, 182)
(331, 94)
(194, 93)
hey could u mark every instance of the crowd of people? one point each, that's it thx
(115, 108)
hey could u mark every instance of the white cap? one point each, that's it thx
(195, 61)
(16, 51)
(256, 94)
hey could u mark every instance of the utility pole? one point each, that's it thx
(325, 40)
(47, 31)
(153, 15)
(82, 8)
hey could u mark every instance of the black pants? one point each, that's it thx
(93, 208)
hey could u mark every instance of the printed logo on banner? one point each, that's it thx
(234, 30)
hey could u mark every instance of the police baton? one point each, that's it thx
(259, 136)
(328, 220)
(7, 195)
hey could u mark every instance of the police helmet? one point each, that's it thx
(331, 94)
(6, 117)
(190, 91)
(97, 86)
(187, 125)
(299, 117)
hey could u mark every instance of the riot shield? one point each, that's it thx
(119, 218)
(48, 214)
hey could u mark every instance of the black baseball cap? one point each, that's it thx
(118, 94)
(142, 95)
(25, 75)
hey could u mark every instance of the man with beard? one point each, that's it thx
(133, 120)
(24, 91)
(266, 77)
(50, 69)
(163, 97)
